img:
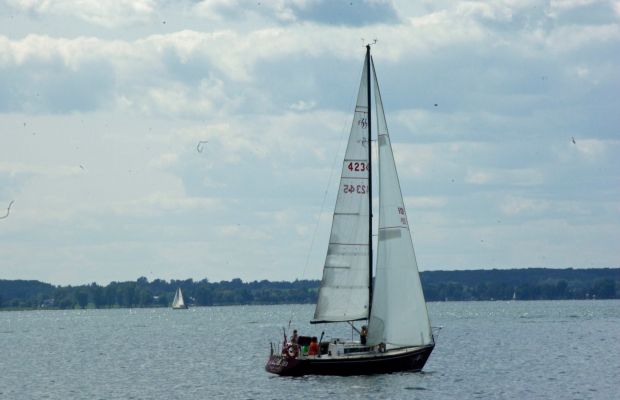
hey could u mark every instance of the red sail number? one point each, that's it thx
(360, 189)
(357, 166)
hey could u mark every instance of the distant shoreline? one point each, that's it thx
(9, 309)
(462, 285)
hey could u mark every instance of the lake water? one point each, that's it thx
(486, 350)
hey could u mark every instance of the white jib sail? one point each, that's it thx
(399, 316)
(343, 295)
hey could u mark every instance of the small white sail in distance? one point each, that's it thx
(178, 301)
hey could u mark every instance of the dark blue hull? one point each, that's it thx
(376, 363)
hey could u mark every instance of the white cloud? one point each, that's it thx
(302, 105)
(479, 177)
(571, 38)
(164, 160)
(495, 11)
(242, 232)
(18, 168)
(110, 14)
(505, 177)
(178, 100)
(220, 10)
(417, 202)
(559, 5)
(588, 150)
(158, 202)
(592, 149)
(518, 205)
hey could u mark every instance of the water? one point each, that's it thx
(486, 350)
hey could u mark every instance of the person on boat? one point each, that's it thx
(313, 350)
(363, 335)
(294, 338)
(294, 345)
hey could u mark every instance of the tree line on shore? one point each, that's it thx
(467, 285)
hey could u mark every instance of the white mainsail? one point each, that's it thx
(399, 316)
(178, 301)
(343, 295)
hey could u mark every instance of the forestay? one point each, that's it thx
(399, 316)
(343, 295)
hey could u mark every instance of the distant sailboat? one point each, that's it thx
(399, 336)
(178, 303)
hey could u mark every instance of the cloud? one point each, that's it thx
(176, 99)
(417, 202)
(583, 12)
(156, 203)
(21, 168)
(519, 205)
(506, 177)
(102, 109)
(496, 11)
(302, 105)
(221, 68)
(165, 161)
(585, 151)
(109, 14)
(592, 149)
(349, 13)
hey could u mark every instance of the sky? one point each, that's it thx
(203, 139)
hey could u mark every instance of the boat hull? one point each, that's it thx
(379, 363)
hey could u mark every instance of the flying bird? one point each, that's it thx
(200, 145)
(8, 209)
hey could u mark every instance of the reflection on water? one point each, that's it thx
(486, 350)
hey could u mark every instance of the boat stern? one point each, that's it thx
(281, 364)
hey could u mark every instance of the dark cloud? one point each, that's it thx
(328, 12)
(349, 13)
(548, 19)
(597, 13)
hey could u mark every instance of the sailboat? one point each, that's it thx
(399, 335)
(178, 303)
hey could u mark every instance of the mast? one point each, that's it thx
(369, 184)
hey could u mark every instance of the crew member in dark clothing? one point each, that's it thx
(295, 337)
(363, 335)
